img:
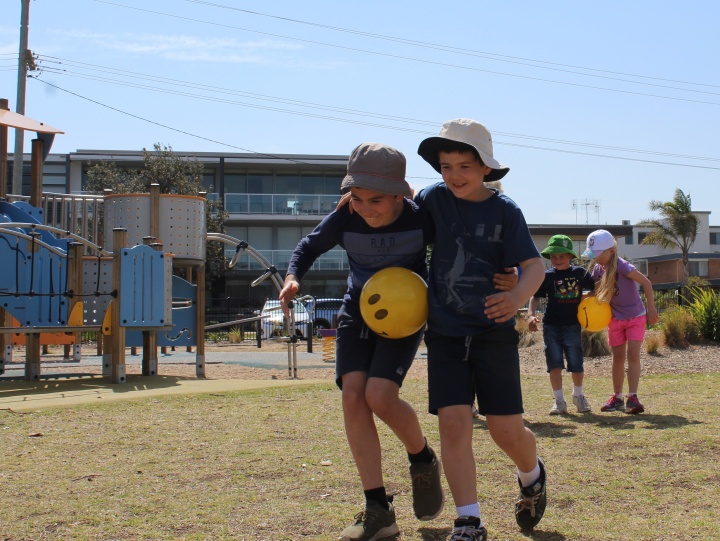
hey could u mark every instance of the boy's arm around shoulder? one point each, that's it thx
(501, 307)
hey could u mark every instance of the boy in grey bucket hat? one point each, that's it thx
(380, 228)
(377, 167)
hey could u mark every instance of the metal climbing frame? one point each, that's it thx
(271, 272)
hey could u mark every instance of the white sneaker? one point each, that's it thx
(581, 403)
(559, 408)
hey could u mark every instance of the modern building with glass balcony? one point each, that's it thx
(275, 200)
(272, 200)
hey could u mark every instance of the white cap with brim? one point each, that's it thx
(377, 167)
(470, 133)
(597, 242)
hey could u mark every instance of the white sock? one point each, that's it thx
(528, 478)
(577, 390)
(618, 395)
(559, 395)
(472, 510)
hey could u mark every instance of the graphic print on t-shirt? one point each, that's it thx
(567, 288)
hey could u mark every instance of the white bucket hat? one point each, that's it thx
(470, 133)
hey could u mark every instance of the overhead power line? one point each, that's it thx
(422, 60)
(374, 125)
(42, 59)
(460, 50)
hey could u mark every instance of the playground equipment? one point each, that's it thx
(328, 344)
(118, 282)
(393, 302)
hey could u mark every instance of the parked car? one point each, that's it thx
(326, 310)
(274, 325)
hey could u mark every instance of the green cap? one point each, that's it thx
(559, 244)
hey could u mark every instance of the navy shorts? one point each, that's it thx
(360, 349)
(565, 339)
(486, 366)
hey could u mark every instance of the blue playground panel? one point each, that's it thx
(32, 282)
(184, 319)
(142, 287)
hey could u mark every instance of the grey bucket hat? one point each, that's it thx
(377, 167)
(470, 133)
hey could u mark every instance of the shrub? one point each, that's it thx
(679, 328)
(653, 342)
(595, 344)
(527, 337)
(235, 335)
(214, 337)
(704, 305)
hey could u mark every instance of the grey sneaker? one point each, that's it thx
(581, 403)
(427, 492)
(374, 523)
(468, 529)
(530, 506)
(559, 408)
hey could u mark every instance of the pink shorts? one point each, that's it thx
(624, 330)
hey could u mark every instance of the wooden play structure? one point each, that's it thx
(64, 275)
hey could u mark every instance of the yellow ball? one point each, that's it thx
(594, 315)
(393, 302)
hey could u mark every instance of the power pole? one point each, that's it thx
(23, 58)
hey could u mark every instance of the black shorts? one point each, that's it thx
(359, 349)
(486, 366)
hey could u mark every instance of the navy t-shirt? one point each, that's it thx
(474, 240)
(369, 249)
(563, 289)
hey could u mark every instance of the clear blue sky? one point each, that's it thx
(612, 102)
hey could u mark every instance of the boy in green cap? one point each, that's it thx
(563, 286)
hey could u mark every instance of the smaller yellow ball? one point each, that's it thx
(594, 315)
(393, 302)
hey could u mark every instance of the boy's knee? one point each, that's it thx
(454, 423)
(379, 402)
(353, 397)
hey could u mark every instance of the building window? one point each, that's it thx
(259, 183)
(641, 237)
(641, 265)
(714, 238)
(288, 183)
(699, 268)
(629, 240)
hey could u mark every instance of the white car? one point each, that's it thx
(325, 313)
(276, 323)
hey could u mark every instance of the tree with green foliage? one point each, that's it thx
(677, 229)
(175, 175)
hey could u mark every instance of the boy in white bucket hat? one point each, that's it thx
(472, 346)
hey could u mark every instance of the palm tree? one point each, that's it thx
(678, 227)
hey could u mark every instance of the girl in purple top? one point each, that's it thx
(616, 282)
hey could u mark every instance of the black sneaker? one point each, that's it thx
(468, 529)
(374, 523)
(427, 492)
(530, 507)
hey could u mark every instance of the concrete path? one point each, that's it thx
(64, 389)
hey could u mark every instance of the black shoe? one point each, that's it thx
(468, 529)
(374, 523)
(530, 507)
(427, 492)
